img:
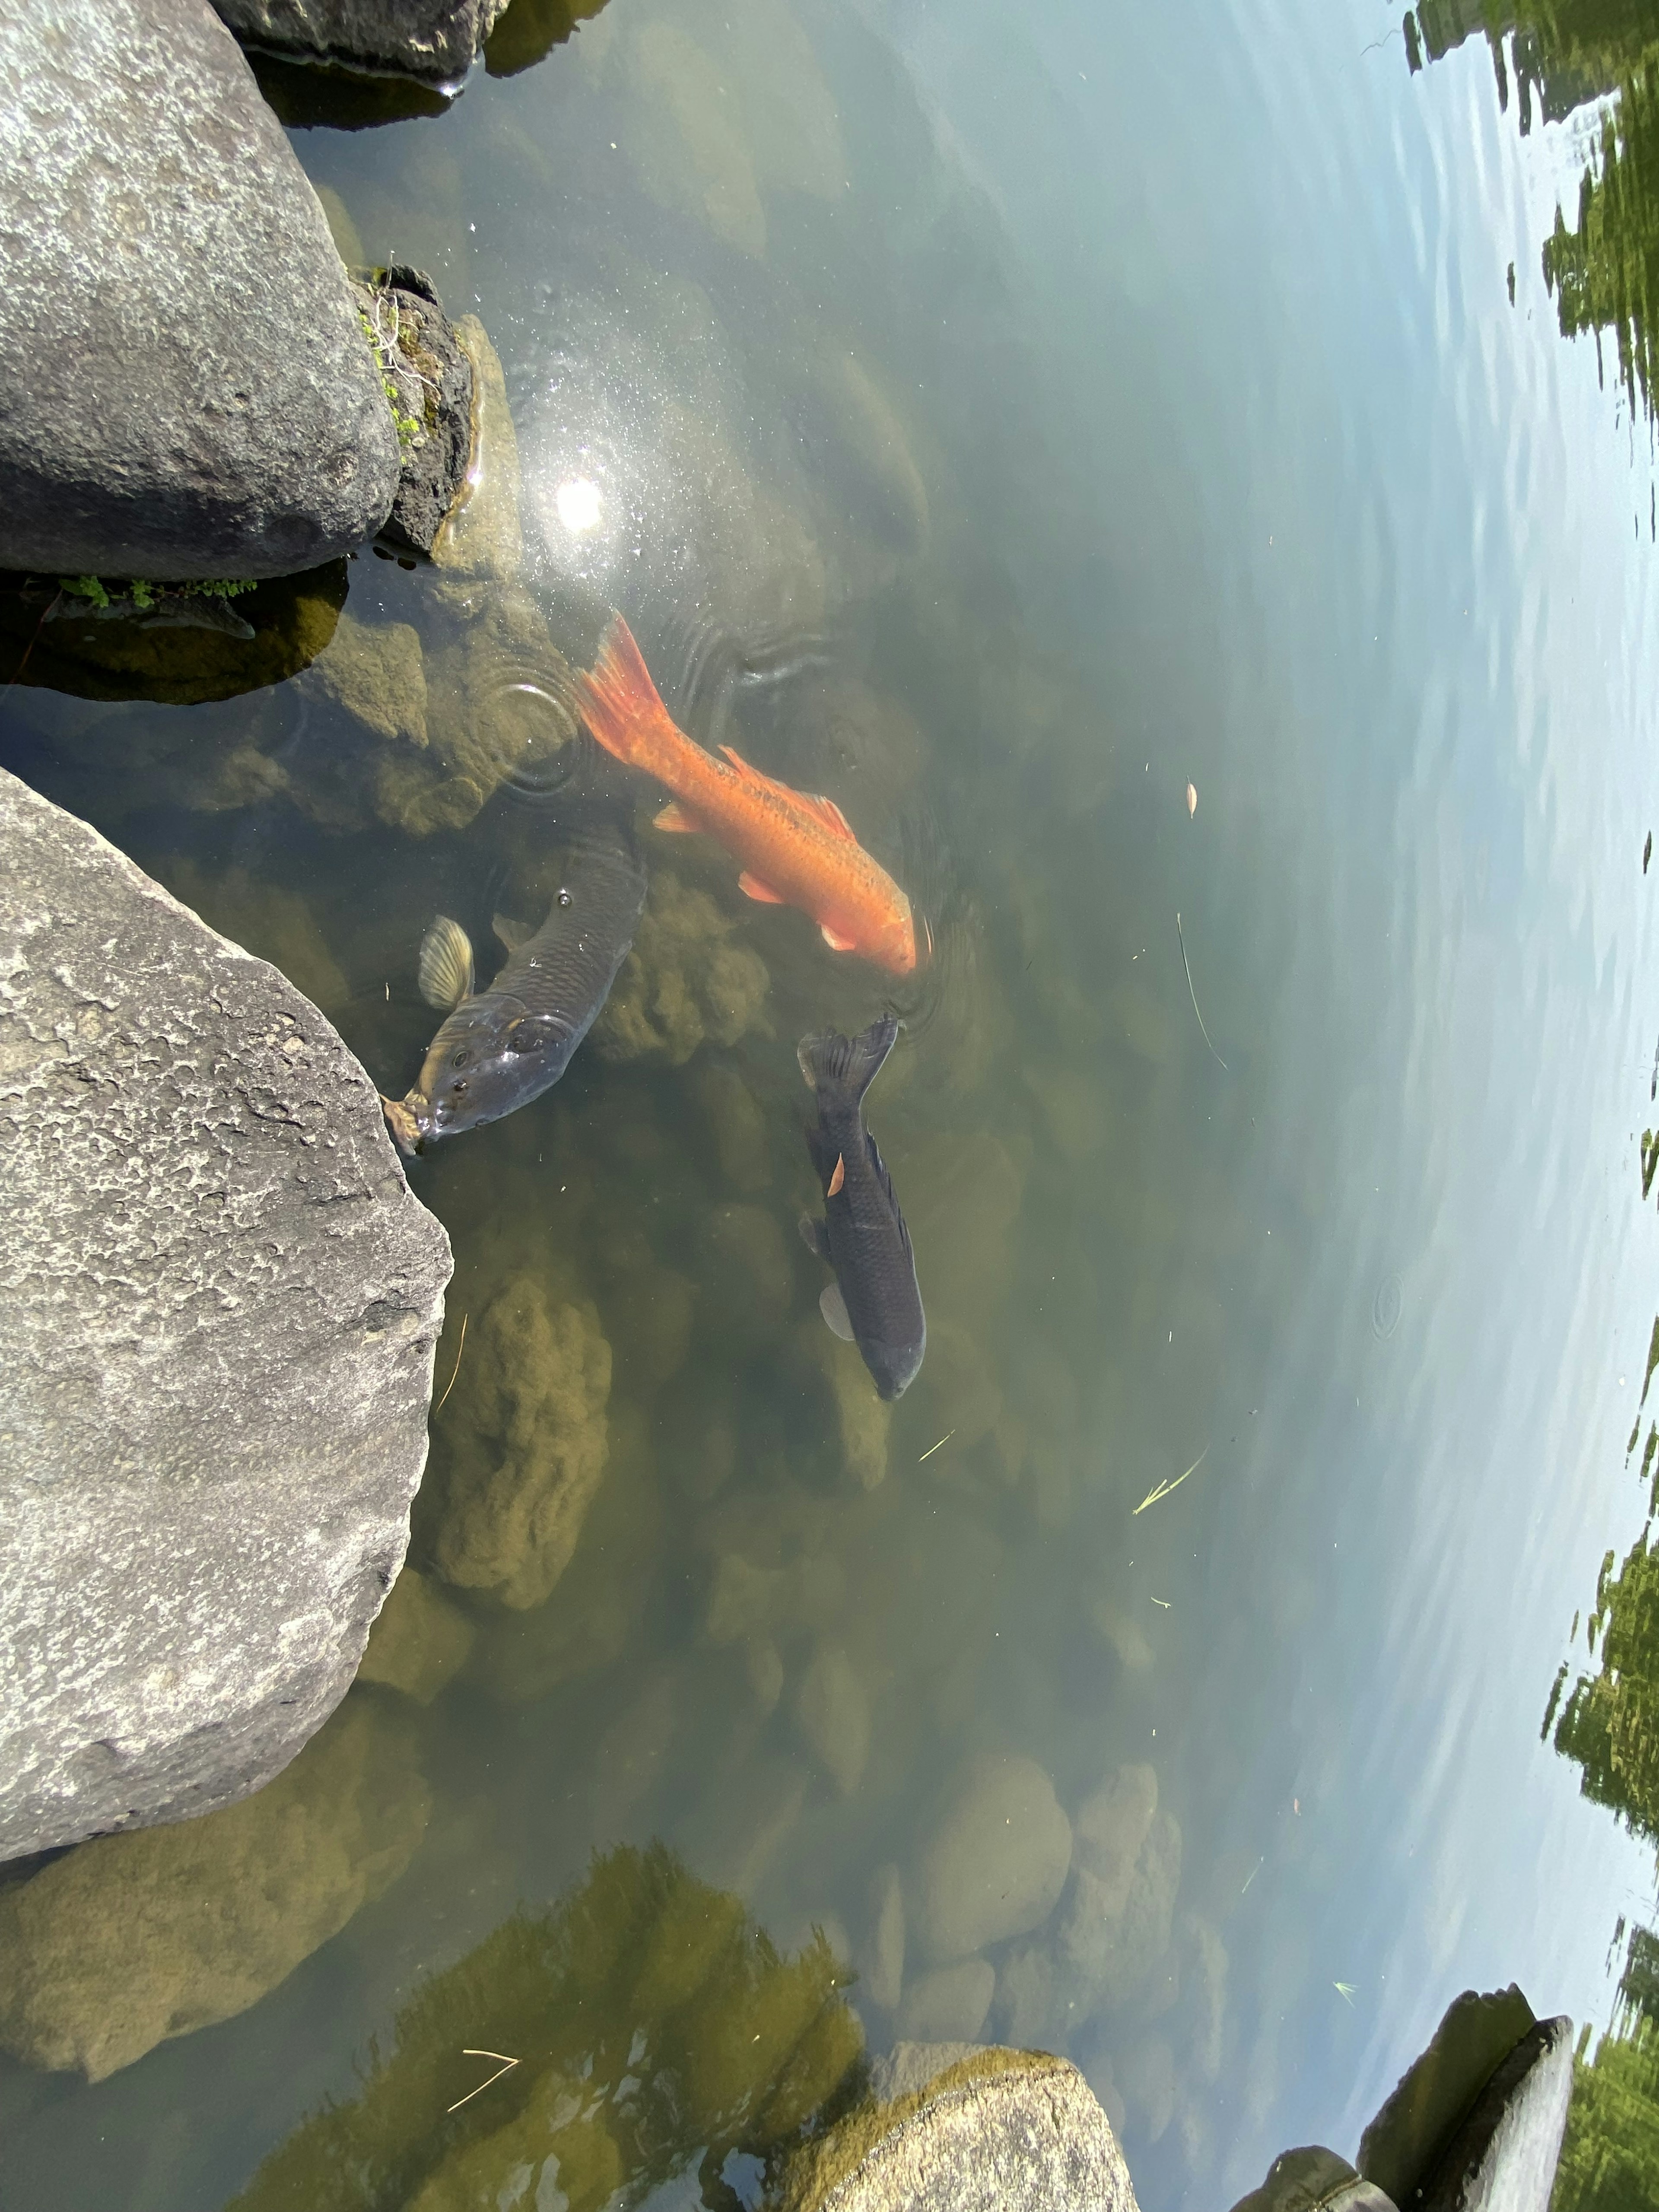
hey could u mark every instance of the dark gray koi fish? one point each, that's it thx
(875, 1301)
(499, 1049)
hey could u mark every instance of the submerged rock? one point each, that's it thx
(832, 1711)
(218, 1304)
(434, 40)
(950, 2003)
(188, 390)
(420, 1642)
(996, 2131)
(525, 1445)
(132, 1939)
(684, 981)
(997, 1862)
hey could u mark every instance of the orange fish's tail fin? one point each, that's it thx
(620, 703)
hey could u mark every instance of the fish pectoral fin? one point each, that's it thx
(674, 816)
(835, 940)
(839, 1176)
(814, 1235)
(833, 1307)
(752, 887)
(444, 971)
(512, 934)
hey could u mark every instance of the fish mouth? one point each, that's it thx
(409, 1120)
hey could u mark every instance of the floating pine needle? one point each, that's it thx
(1345, 1991)
(1252, 1875)
(1186, 964)
(1164, 1489)
(932, 1449)
(505, 2067)
(1192, 800)
(1163, 1601)
(438, 1408)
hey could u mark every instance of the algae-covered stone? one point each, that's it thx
(684, 983)
(657, 2029)
(272, 923)
(434, 40)
(218, 1303)
(526, 1443)
(188, 392)
(420, 1642)
(372, 671)
(997, 1861)
(996, 2131)
(1115, 1925)
(132, 1939)
(737, 1126)
(864, 1420)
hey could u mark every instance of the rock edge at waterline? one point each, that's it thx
(219, 1301)
(185, 389)
(434, 40)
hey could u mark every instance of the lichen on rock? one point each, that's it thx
(524, 1445)
(131, 1939)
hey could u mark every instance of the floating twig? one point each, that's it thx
(1186, 964)
(438, 1408)
(1163, 1601)
(1345, 1991)
(1164, 1489)
(505, 2067)
(932, 1449)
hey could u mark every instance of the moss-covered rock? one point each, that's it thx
(131, 1939)
(524, 1441)
(685, 982)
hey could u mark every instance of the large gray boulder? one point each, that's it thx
(219, 1301)
(993, 2131)
(185, 389)
(435, 40)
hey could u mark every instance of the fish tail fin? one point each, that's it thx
(619, 701)
(841, 1068)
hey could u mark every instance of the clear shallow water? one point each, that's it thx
(1070, 409)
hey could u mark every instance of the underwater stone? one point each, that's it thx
(526, 1446)
(434, 40)
(187, 389)
(420, 1642)
(950, 2003)
(218, 1304)
(1314, 2179)
(997, 1862)
(132, 1939)
(373, 669)
(684, 981)
(996, 2131)
(832, 1712)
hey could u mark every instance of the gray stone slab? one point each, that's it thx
(219, 1301)
(185, 390)
(1408, 2137)
(435, 40)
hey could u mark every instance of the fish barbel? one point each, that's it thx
(797, 849)
(875, 1301)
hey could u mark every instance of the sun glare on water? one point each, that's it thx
(578, 505)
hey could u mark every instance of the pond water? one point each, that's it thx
(1001, 422)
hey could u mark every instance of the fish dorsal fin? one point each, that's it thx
(512, 934)
(833, 1307)
(824, 812)
(444, 971)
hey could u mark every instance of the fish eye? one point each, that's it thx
(461, 1058)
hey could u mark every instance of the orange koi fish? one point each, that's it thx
(796, 849)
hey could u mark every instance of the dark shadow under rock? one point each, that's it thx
(530, 30)
(170, 651)
(321, 95)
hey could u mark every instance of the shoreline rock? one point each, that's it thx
(434, 40)
(188, 391)
(219, 1301)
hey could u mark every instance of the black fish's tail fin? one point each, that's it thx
(843, 1068)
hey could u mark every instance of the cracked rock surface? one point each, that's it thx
(219, 1301)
